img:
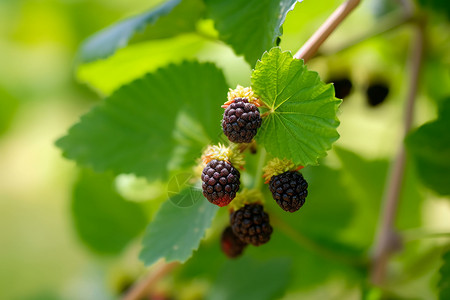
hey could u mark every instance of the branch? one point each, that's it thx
(141, 289)
(386, 24)
(316, 40)
(387, 239)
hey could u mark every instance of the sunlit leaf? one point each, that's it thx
(134, 61)
(172, 17)
(301, 122)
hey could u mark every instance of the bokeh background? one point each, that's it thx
(41, 255)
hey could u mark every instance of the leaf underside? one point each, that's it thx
(176, 232)
(250, 27)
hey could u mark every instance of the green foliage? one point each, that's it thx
(430, 147)
(439, 6)
(170, 18)
(250, 27)
(134, 61)
(333, 205)
(367, 179)
(135, 129)
(176, 232)
(8, 109)
(301, 122)
(248, 279)
(444, 280)
(104, 220)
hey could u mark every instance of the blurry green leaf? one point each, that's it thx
(248, 279)
(366, 181)
(301, 124)
(136, 60)
(328, 201)
(135, 129)
(439, 6)
(170, 18)
(182, 19)
(8, 108)
(444, 281)
(250, 27)
(176, 232)
(436, 77)
(430, 147)
(103, 219)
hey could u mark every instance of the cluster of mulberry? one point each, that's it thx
(249, 222)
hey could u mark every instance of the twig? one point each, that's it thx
(386, 237)
(312, 45)
(386, 24)
(143, 287)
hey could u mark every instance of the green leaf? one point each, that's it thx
(140, 128)
(429, 146)
(366, 180)
(136, 60)
(439, 6)
(8, 109)
(332, 205)
(249, 26)
(104, 220)
(248, 279)
(301, 122)
(444, 281)
(170, 18)
(176, 232)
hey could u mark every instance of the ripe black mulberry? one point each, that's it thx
(221, 182)
(251, 224)
(289, 190)
(241, 121)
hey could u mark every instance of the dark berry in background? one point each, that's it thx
(342, 87)
(231, 245)
(221, 182)
(241, 120)
(251, 224)
(377, 93)
(289, 190)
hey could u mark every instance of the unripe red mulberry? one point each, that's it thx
(231, 245)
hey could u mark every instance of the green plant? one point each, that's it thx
(157, 125)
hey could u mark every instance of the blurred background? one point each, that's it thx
(41, 254)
